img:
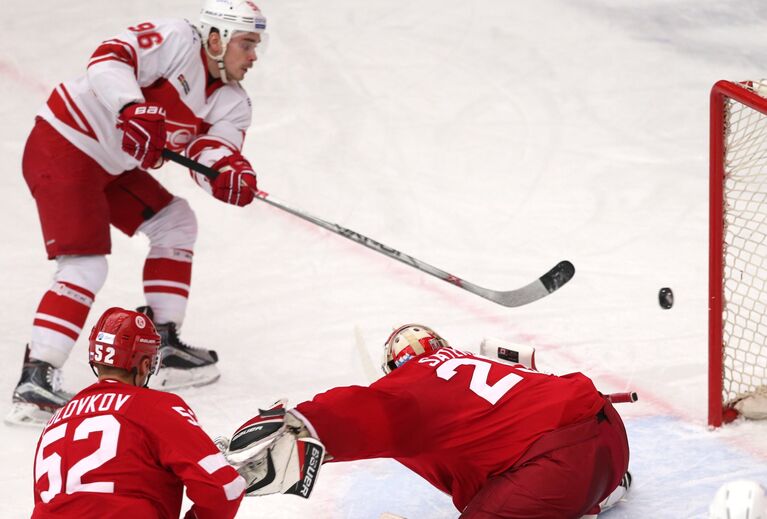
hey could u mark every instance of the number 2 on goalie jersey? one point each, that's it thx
(109, 428)
(478, 385)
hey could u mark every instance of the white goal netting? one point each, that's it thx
(744, 320)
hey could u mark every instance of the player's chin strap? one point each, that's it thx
(219, 61)
(275, 453)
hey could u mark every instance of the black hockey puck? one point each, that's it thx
(665, 298)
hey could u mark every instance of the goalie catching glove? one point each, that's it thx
(275, 453)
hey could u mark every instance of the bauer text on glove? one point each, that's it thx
(274, 452)
(143, 126)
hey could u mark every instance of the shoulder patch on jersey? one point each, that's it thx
(183, 82)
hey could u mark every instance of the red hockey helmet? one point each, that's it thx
(122, 338)
(409, 341)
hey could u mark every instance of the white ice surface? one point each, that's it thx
(489, 138)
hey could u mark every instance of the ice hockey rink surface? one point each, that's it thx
(489, 138)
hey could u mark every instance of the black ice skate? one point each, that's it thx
(181, 365)
(38, 394)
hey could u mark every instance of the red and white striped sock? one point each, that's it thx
(167, 279)
(58, 322)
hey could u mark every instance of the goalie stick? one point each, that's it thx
(514, 354)
(552, 280)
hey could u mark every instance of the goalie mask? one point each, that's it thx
(739, 500)
(122, 339)
(407, 342)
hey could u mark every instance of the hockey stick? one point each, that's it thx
(541, 287)
(515, 354)
(623, 398)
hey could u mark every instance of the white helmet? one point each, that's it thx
(739, 500)
(230, 16)
(407, 342)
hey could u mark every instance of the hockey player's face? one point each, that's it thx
(241, 54)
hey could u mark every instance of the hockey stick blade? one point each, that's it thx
(541, 287)
(552, 280)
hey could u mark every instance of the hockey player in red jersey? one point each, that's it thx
(121, 450)
(503, 440)
(161, 83)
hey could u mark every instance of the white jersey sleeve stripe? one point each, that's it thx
(119, 50)
(108, 57)
(235, 488)
(212, 463)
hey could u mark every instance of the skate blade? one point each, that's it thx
(173, 378)
(28, 415)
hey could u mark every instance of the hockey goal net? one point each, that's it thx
(738, 252)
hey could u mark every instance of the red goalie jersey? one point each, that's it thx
(122, 451)
(453, 417)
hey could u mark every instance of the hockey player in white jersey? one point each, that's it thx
(161, 83)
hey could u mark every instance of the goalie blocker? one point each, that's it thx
(275, 453)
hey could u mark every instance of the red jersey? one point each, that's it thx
(123, 451)
(455, 418)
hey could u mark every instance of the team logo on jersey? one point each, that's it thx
(178, 134)
(140, 321)
(184, 84)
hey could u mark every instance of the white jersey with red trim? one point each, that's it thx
(159, 61)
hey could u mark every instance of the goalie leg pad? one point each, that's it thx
(618, 494)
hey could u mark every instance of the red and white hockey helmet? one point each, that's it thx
(229, 17)
(409, 341)
(739, 500)
(122, 338)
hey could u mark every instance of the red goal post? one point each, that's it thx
(737, 251)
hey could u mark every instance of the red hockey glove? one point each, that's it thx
(236, 183)
(143, 126)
